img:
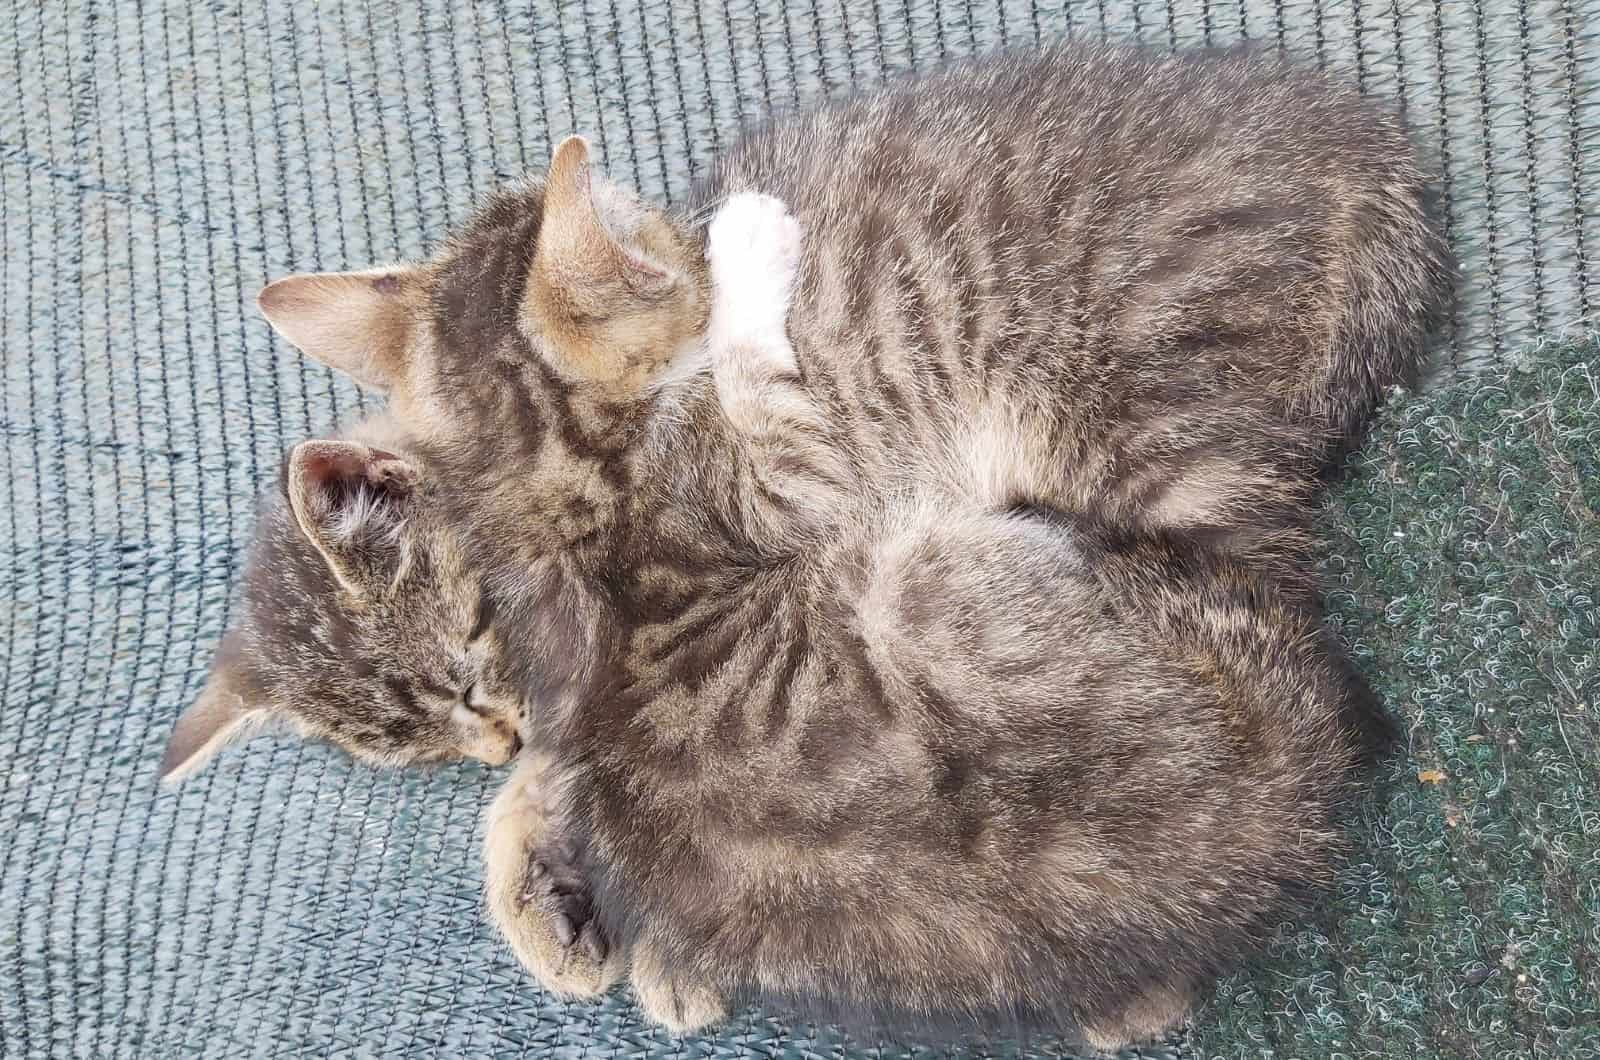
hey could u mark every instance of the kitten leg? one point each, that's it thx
(535, 888)
(677, 1000)
(753, 249)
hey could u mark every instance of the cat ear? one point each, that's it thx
(596, 269)
(220, 714)
(357, 322)
(580, 255)
(349, 500)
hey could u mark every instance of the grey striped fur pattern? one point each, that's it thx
(972, 668)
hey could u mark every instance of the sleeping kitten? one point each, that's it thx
(1162, 289)
(1026, 769)
(361, 624)
(972, 688)
(980, 607)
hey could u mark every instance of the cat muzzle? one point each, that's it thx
(496, 744)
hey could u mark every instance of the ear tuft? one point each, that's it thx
(331, 467)
(348, 500)
(356, 322)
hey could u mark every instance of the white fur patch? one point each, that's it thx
(754, 253)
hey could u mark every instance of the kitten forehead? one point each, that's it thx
(480, 277)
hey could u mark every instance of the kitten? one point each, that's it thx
(1040, 770)
(1164, 289)
(977, 605)
(974, 689)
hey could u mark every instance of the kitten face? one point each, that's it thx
(359, 625)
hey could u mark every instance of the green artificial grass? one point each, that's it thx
(1463, 570)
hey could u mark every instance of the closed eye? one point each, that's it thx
(481, 620)
(466, 701)
(446, 694)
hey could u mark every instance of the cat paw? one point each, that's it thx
(753, 248)
(679, 1006)
(553, 891)
(536, 892)
(1139, 1019)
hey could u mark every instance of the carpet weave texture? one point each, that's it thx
(160, 160)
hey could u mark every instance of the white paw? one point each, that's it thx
(753, 249)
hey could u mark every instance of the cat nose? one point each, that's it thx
(492, 743)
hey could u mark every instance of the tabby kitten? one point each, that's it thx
(966, 683)
(1028, 768)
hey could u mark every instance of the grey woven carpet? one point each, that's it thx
(158, 163)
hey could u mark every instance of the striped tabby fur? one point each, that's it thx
(974, 674)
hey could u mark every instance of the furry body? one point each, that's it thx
(969, 666)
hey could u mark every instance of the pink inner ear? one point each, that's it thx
(326, 466)
(336, 471)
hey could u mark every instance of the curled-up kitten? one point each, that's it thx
(1025, 769)
(1016, 719)
(1157, 289)
(1174, 654)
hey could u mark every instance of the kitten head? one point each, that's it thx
(527, 351)
(578, 271)
(358, 624)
